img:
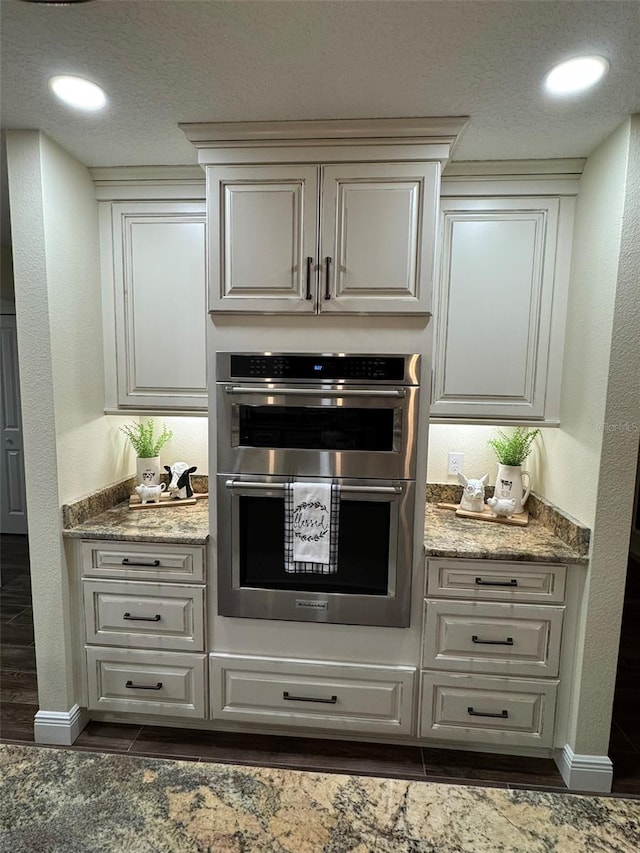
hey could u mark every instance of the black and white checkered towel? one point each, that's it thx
(311, 528)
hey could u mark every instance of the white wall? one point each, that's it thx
(479, 458)
(71, 448)
(616, 412)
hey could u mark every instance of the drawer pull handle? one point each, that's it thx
(155, 618)
(287, 695)
(151, 563)
(133, 686)
(503, 715)
(507, 642)
(512, 582)
(327, 278)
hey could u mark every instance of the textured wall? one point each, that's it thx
(48, 575)
(90, 455)
(479, 457)
(571, 457)
(599, 633)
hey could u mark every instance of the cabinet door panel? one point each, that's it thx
(160, 302)
(377, 226)
(263, 226)
(495, 292)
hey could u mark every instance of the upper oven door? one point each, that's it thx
(322, 430)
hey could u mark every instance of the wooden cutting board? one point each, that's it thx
(166, 501)
(520, 519)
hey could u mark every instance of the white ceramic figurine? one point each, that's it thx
(150, 494)
(473, 494)
(502, 506)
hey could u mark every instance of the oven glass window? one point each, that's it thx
(363, 548)
(316, 427)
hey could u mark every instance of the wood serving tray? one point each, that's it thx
(166, 501)
(520, 519)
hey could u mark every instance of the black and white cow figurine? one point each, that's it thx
(180, 479)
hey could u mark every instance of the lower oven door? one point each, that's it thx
(372, 582)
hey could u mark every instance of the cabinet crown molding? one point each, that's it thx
(338, 131)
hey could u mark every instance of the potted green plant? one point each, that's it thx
(147, 448)
(511, 451)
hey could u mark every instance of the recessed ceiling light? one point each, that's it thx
(78, 92)
(576, 75)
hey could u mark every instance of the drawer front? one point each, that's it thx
(166, 683)
(303, 693)
(143, 561)
(488, 580)
(144, 616)
(479, 636)
(487, 710)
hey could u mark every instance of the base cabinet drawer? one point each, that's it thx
(143, 561)
(487, 709)
(487, 580)
(166, 683)
(144, 616)
(492, 637)
(342, 697)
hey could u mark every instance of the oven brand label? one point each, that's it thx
(313, 605)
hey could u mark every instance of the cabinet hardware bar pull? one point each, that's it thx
(507, 642)
(155, 618)
(327, 278)
(503, 715)
(512, 582)
(151, 563)
(309, 262)
(315, 392)
(279, 487)
(287, 695)
(133, 686)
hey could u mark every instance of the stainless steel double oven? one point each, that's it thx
(324, 417)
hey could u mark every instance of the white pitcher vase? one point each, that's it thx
(148, 471)
(509, 485)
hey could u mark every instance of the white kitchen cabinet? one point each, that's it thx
(501, 296)
(334, 238)
(492, 635)
(153, 267)
(144, 627)
(312, 694)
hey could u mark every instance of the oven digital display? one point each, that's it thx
(354, 367)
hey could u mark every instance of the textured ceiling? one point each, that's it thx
(168, 61)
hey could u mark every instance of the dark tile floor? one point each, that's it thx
(18, 704)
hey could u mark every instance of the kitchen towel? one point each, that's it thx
(311, 526)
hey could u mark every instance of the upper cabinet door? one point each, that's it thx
(496, 292)
(262, 226)
(377, 237)
(159, 294)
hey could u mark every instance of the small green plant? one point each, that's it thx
(142, 438)
(514, 449)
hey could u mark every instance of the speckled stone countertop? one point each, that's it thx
(187, 525)
(447, 535)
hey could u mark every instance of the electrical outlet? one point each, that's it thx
(455, 463)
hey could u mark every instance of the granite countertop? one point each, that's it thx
(447, 535)
(188, 525)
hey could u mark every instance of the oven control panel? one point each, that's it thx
(319, 368)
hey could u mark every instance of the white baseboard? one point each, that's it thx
(584, 772)
(59, 727)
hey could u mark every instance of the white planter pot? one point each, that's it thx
(509, 485)
(148, 471)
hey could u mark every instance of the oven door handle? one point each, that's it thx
(316, 392)
(280, 487)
